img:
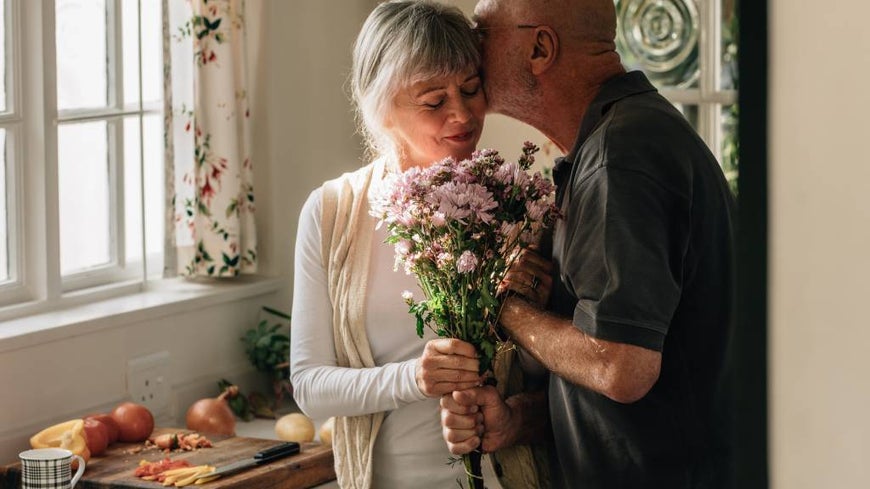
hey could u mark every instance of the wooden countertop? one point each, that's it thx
(114, 470)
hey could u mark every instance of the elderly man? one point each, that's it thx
(634, 320)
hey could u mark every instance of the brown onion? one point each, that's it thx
(213, 415)
(295, 427)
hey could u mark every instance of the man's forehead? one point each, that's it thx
(487, 9)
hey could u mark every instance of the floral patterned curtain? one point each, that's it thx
(210, 228)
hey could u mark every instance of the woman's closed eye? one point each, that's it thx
(471, 90)
(433, 102)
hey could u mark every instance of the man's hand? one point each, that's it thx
(530, 277)
(447, 365)
(474, 418)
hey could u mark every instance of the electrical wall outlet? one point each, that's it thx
(148, 382)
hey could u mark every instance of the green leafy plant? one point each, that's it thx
(268, 349)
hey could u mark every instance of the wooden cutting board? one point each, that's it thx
(114, 470)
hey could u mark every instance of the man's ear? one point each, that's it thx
(546, 48)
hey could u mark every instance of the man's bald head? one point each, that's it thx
(585, 20)
(548, 75)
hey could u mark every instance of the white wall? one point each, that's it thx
(304, 128)
(819, 244)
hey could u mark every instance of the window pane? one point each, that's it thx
(82, 61)
(155, 194)
(4, 218)
(130, 26)
(660, 37)
(152, 51)
(3, 104)
(690, 112)
(132, 190)
(729, 45)
(730, 144)
(155, 207)
(83, 168)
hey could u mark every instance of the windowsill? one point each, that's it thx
(164, 298)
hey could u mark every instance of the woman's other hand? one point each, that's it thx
(447, 365)
(529, 276)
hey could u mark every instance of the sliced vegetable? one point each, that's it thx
(69, 435)
(179, 441)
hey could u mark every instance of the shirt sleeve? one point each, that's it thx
(625, 256)
(320, 387)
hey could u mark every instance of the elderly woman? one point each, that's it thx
(354, 351)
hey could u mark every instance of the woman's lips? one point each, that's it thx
(461, 137)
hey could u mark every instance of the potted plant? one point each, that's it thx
(268, 349)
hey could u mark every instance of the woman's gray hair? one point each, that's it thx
(403, 42)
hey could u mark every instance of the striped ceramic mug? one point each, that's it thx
(49, 468)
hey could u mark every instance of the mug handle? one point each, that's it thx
(79, 472)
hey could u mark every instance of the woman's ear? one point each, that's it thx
(545, 49)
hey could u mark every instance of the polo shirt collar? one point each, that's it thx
(613, 90)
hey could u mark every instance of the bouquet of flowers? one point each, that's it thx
(457, 226)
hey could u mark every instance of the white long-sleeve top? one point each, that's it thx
(409, 450)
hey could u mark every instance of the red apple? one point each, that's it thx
(96, 436)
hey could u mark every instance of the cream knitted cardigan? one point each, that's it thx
(346, 228)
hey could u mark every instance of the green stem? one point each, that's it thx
(471, 461)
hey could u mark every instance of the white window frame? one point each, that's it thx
(709, 97)
(32, 122)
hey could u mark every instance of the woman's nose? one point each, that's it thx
(461, 110)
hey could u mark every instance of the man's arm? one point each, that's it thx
(622, 372)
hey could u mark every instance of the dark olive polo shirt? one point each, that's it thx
(645, 257)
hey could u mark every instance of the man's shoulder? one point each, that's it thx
(646, 127)
(645, 119)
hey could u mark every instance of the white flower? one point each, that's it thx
(467, 262)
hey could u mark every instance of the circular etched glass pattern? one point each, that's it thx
(660, 37)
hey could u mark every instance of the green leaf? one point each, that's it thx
(231, 261)
(213, 25)
(420, 325)
(488, 300)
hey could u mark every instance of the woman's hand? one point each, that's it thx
(529, 276)
(447, 365)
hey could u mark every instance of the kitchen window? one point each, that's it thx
(81, 150)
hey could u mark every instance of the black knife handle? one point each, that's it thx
(276, 452)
